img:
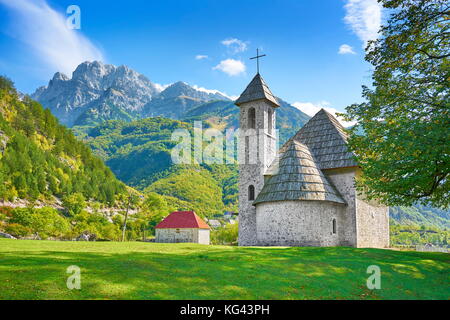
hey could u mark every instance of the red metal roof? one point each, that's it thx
(182, 220)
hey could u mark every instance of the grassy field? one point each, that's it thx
(37, 270)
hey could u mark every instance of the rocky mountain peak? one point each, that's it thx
(111, 92)
(182, 89)
(68, 98)
(60, 77)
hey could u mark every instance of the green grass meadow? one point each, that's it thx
(37, 270)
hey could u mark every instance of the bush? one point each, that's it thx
(5, 212)
(18, 230)
(46, 222)
(49, 223)
(227, 235)
(111, 232)
(74, 203)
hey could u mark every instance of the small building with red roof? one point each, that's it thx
(183, 227)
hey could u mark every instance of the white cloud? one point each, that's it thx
(44, 30)
(235, 45)
(201, 57)
(346, 49)
(312, 108)
(161, 87)
(364, 18)
(231, 67)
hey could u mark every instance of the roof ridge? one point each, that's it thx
(324, 131)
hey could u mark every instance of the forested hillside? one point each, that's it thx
(139, 153)
(41, 159)
(421, 216)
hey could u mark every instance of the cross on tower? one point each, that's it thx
(257, 58)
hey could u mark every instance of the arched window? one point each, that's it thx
(334, 226)
(251, 193)
(252, 118)
(270, 121)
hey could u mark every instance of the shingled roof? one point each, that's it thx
(327, 140)
(298, 178)
(257, 90)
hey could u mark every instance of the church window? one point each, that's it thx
(251, 193)
(252, 118)
(334, 226)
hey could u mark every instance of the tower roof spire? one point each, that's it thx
(257, 90)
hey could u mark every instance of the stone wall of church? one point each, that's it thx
(372, 222)
(299, 223)
(366, 223)
(344, 181)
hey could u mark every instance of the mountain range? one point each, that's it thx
(97, 92)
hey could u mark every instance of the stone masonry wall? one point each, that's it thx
(298, 223)
(172, 236)
(344, 182)
(366, 224)
(262, 148)
(372, 221)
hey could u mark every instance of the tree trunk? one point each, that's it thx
(126, 218)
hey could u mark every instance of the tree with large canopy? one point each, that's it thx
(402, 140)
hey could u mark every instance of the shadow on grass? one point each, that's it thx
(199, 272)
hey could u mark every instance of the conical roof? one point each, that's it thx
(257, 90)
(327, 140)
(298, 178)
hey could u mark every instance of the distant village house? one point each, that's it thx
(183, 227)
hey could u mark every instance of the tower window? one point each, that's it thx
(251, 193)
(334, 226)
(252, 118)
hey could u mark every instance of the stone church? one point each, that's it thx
(304, 193)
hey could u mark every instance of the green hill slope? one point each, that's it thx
(421, 216)
(41, 159)
(195, 186)
(136, 151)
(139, 153)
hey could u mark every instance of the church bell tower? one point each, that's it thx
(257, 151)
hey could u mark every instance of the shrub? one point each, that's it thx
(18, 230)
(74, 203)
(46, 222)
(110, 232)
(227, 235)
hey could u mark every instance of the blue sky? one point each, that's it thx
(315, 55)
